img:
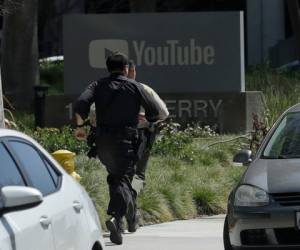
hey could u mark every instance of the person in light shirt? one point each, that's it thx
(147, 133)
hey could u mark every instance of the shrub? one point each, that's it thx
(53, 139)
(177, 142)
(207, 200)
(171, 140)
(281, 88)
(52, 74)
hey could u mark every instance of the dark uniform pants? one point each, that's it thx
(147, 139)
(116, 150)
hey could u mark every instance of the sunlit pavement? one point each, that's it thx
(199, 234)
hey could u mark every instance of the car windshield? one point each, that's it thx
(285, 141)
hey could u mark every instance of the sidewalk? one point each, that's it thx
(199, 234)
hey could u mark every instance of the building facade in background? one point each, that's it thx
(268, 29)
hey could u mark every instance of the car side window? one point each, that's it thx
(55, 176)
(34, 166)
(9, 173)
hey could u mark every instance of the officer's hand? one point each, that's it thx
(80, 134)
(142, 118)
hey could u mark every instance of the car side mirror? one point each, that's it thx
(18, 196)
(244, 157)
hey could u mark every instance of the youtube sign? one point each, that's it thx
(173, 52)
(99, 50)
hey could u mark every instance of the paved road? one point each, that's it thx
(200, 234)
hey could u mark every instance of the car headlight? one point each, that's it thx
(249, 196)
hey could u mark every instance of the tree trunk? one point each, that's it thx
(20, 69)
(142, 5)
(2, 123)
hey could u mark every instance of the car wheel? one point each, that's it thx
(226, 239)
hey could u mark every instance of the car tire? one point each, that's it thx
(226, 239)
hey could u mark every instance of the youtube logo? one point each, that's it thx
(168, 53)
(99, 50)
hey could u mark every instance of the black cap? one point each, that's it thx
(116, 62)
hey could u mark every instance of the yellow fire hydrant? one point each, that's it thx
(66, 159)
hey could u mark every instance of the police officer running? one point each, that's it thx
(117, 135)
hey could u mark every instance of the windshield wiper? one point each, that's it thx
(275, 157)
(281, 157)
(269, 157)
(290, 156)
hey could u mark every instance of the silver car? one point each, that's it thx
(264, 208)
(41, 206)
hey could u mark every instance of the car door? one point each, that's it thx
(65, 210)
(5, 242)
(21, 229)
(83, 237)
(78, 235)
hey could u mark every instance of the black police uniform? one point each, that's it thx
(118, 100)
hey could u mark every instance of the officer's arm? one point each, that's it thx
(150, 104)
(84, 102)
(163, 110)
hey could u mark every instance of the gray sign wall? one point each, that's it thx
(174, 52)
(227, 112)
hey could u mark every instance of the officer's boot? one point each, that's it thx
(132, 216)
(132, 222)
(114, 226)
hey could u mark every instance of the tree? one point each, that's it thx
(2, 124)
(20, 71)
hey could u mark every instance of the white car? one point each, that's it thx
(41, 206)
